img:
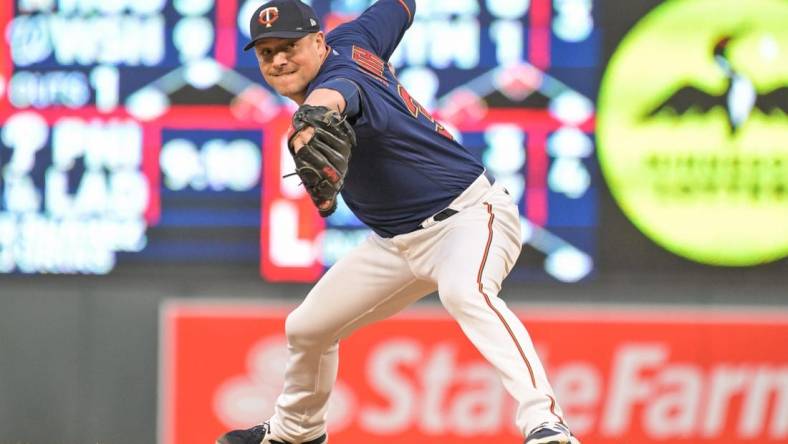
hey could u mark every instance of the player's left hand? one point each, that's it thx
(321, 158)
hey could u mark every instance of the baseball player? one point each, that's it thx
(439, 221)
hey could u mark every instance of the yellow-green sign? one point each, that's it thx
(692, 129)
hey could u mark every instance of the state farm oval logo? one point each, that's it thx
(692, 129)
(268, 16)
(248, 399)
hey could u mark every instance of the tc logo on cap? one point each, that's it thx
(268, 16)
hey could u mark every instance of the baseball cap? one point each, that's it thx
(287, 19)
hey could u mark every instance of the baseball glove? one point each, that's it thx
(323, 161)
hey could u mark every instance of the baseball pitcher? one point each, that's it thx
(439, 220)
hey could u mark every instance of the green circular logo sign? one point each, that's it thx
(692, 129)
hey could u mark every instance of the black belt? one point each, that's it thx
(445, 214)
(449, 212)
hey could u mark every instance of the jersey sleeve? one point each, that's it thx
(366, 110)
(350, 91)
(380, 27)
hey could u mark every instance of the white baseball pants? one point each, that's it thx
(465, 258)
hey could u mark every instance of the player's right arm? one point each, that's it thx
(381, 27)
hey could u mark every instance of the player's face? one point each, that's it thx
(288, 65)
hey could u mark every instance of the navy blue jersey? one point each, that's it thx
(406, 166)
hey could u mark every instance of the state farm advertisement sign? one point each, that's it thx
(622, 376)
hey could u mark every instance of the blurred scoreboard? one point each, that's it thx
(140, 132)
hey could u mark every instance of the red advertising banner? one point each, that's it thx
(645, 375)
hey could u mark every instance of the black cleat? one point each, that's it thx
(551, 433)
(260, 434)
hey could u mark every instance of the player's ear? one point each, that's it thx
(320, 38)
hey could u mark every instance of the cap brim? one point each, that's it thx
(277, 35)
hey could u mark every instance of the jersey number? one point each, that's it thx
(415, 109)
(373, 65)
